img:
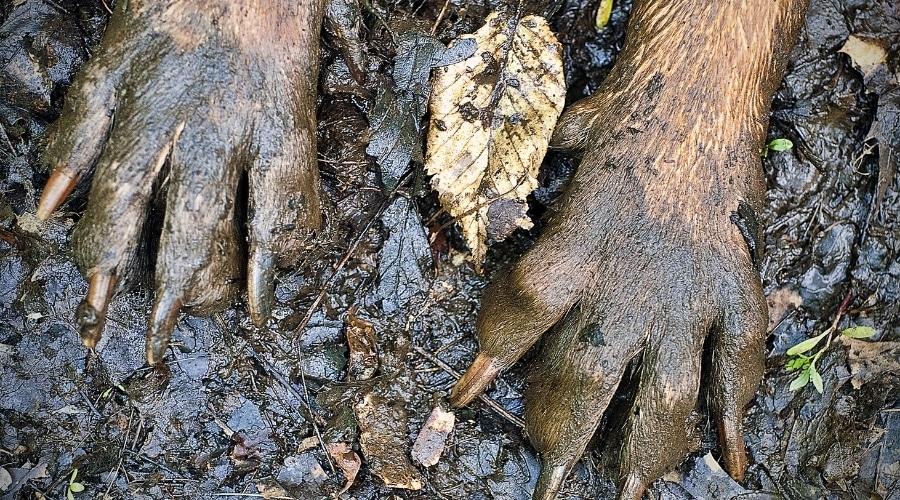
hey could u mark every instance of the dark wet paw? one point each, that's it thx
(181, 107)
(639, 265)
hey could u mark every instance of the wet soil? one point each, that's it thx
(237, 409)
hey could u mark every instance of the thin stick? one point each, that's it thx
(503, 412)
(287, 385)
(440, 17)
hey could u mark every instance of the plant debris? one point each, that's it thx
(362, 343)
(492, 116)
(429, 445)
(404, 263)
(396, 119)
(383, 425)
(347, 461)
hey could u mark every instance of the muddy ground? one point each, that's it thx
(240, 404)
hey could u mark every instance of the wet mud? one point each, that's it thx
(250, 410)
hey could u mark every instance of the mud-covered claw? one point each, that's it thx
(162, 322)
(60, 184)
(734, 454)
(480, 374)
(260, 285)
(91, 314)
(631, 487)
(550, 480)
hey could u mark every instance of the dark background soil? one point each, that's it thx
(239, 402)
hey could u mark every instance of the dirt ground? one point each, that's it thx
(244, 412)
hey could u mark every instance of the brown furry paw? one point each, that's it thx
(648, 258)
(181, 105)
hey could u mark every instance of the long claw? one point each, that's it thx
(260, 287)
(733, 449)
(91, 314)
(632, 488)
(162, 322)
(57, 189)
(476, 379)
(550, 481)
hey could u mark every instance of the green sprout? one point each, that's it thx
(74, 487)
(778, 145)
(801, 361)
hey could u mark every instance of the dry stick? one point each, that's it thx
(503, 412)
(440, 17)
(350, 251)
(312, 415)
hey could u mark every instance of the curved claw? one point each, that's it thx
(550, 481)
(162, 322)
(60, 184)
(260, 286)
(632, 488)
(480, 374)
(91, 313)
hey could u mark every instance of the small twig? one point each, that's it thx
(440, 17)
(503, 412)
(281, 379)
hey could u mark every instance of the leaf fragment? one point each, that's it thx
(807, 344)
(859, 332)
(492, 116)
(396, 118)
(800, 382)
(604, 10)
(429, 445)
(347, 460)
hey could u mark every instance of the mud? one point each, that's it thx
(239, 403)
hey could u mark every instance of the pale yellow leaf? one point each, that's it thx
(492, 116)
(867, 56)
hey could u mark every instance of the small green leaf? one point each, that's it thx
(780, 144)
(859, 332)
(800, 382)
(816, 378)
(76, 487)
(69, 495)
(806, 344)
(74, 475)
(603, 12)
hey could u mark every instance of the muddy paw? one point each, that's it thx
(181, 107)
(649, 258)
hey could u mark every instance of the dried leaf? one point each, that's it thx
(347, 460)
(868, 360)
(430, 442)
(492, 116)
(396, 118)
(867, 56)
(361, 342)
(383, 427)
(780, 302)
(5, 479)
(405, 259)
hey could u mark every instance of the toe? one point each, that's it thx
(108, 237)
(517, 308)
(581, 364)
(284, 203)
(198, 264)
(659, 431)
(738, 349)
(76, 139)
